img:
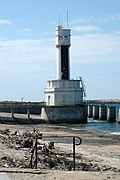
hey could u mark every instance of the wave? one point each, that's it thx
(115, 133)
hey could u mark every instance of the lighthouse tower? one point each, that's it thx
(63, 91)
(63, 96)
(63, 60)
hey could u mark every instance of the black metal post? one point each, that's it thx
(75, 143)
(36, 155)
(74, 153)
(31, 162)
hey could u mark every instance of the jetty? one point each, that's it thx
(13, 112)
(106, 109)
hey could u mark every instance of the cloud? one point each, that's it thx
(25, 30)
(21, 51)
(85, 28)
(96, 48)
(83, 20)
(86, 48)
(102, 19)
(5, 22)
(106, 18)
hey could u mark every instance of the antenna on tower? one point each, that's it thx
(59, 19)
(67, 19)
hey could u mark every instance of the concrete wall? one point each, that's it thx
(95, 112)
(119, 116)
(90, 111)
(65, 114)
(111, 114)
(21, 107)
(13, 120)
(103, 112)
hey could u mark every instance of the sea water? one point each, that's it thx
(99, 127)
(96, 127)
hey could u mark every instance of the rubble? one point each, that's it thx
(48, 157)
(27, 143)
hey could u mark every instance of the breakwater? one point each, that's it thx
(31, 112)
(65, 114)
(104, 110)
(21, 107)
(21, 112)
(36, 113)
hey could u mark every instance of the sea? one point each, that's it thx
(102, 128)
(96, 127)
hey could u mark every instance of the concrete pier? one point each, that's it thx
(111, 114)
(102, 113)
(28, 113)
(90, 111)
(119, 116)
(65, 114)
(95, 112)
(12, 113)
(6, 118)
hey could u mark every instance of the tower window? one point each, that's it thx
(60, 37)
(65, 37)
(49, 100)
(49, 83)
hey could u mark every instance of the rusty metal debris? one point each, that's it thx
(51, 146)
(31, 149)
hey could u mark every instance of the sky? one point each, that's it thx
(28, 52)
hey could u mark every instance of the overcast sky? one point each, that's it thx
(28, 52)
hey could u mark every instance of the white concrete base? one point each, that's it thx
(63, 92)
(65, 114)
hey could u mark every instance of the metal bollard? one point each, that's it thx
(77, 144)
(36, 154)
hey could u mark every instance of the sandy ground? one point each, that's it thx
(64, 175)
(104, 151)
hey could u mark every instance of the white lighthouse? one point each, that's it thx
(63, 96)
(63, 91)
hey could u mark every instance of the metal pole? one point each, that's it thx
(74, 153)
(31, 162)
(36, 155)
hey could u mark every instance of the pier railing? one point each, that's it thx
(76, 141)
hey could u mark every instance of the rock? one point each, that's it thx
(17, 147)
(94, 167)
(5, 165)
(28, 143)
(15, 133)
(6, 131)
(51, 145)
(4, 158)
